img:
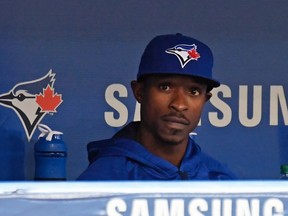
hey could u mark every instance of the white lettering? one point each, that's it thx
(273, 204)
(117, 105)
(216, 207)
(277, 94)
(197, 206)
(221, 106)
(115, 207)
(140, 208)
(222, 116)
(162, 208)
(227, 207)
(244, 209)
(243, 106)
(137, 112)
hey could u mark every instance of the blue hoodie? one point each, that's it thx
(123, 158)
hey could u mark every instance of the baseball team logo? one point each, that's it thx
(32, 100)
(185, 53)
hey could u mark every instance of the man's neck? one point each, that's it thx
(172, 152)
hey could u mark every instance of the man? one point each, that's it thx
(173, 84)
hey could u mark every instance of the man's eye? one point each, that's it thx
(164, 87)
(195, 92)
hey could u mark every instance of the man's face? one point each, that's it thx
(171, 106)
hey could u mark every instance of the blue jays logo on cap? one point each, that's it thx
(185, 53)
(177, 54)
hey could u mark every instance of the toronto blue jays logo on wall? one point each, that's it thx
(32, 100)
(185, 53)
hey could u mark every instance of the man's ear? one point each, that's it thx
(137, 88)
(208, 96)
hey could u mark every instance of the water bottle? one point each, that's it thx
(50, 155)
(284, 171)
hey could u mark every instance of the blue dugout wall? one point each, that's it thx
(93, 49)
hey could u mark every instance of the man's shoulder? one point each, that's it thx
(106, 168)
(217, 169)
(207, 163)
(95, 147)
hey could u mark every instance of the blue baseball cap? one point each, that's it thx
(177, 54)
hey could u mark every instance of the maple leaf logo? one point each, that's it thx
(185, 53)
(193, 54)
(48, 101)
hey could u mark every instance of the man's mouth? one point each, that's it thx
(172, 119)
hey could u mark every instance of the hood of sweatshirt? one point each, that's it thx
(123, 144)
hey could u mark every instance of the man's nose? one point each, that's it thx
(179, 101)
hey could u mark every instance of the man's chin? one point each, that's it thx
(174, 140)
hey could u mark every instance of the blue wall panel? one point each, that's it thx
(92, 46)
